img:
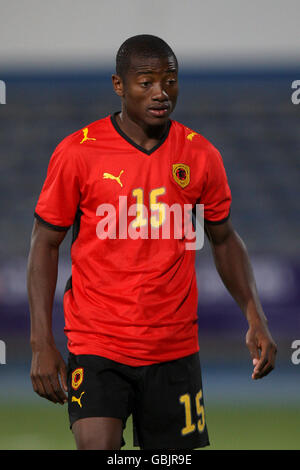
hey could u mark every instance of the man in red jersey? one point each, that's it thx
(131, 303)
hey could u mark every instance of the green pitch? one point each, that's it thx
(45, 426)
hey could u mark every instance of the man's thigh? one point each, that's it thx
(169, 412)
(99, 397)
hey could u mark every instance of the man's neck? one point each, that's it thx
(146, 137)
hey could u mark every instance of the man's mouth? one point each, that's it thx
(159, 110)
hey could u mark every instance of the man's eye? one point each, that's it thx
(171, 81)
(145, 84)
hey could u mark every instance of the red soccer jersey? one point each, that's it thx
(132, 296)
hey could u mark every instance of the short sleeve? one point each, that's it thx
(216, 194)
(59, 199)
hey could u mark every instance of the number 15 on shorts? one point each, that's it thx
(189, 425)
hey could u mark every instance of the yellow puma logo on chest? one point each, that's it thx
(112, 177)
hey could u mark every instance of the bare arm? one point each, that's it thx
(48, 367)
(233, 265)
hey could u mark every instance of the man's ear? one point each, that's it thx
(118, 85)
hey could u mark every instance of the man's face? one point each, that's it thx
(150, 89)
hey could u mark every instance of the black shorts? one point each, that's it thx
(165, 399)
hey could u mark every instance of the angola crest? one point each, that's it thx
(181, 174)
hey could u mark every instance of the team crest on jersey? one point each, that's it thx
(181, 174)
(77, 378)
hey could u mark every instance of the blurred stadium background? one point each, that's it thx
(238, 60)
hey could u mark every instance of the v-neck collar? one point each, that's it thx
(130, 141)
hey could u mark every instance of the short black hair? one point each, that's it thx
(142, 45)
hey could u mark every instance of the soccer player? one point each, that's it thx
(130, 305)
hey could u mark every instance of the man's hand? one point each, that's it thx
(262, 350)
(48, 374)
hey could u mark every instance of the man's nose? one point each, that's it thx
(159, 93)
